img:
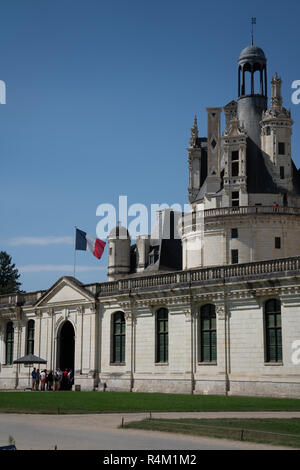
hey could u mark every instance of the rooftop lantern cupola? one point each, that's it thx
(253, 64)
(252, 90)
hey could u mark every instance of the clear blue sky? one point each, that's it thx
(101, 97)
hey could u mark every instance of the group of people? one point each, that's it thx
(58, 380)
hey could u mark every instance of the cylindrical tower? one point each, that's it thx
(118, 253)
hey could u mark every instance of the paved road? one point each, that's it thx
(101, 432)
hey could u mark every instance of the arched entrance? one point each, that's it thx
(66, 341)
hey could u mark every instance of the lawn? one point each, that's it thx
(126, 402)
(280, 432)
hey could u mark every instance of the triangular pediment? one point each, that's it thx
(65, 290)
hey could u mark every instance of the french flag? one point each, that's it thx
(85, 242)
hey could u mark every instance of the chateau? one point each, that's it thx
(211, 303)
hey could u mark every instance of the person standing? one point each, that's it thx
(55, 377)
(50, 380)
(37, 381)
(33, 379)
(43, 380)
(70, 379)
(60, 378)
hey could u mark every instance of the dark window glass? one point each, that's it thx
(282, 172)
(162, 339)
(208, 334)
(235, 155)
(234, 233)
(9, 343)
(235, 195)
(277, 242)
(268, 130)
(235, 169)
(30, 337)
(118, 337)
(281, 148)
(234, 256)
(273, 331)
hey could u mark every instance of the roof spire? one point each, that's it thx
(194, 133)
(253, 21)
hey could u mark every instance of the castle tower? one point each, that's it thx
(118, 253)
(276, 132)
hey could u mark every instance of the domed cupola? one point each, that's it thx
(252, 90)
(252, 60)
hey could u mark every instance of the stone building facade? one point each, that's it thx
(211, 308)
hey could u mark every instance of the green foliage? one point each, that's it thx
(9, 275)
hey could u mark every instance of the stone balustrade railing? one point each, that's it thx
(248, 210)
(200, 275)
(28, 298)
(175, 279)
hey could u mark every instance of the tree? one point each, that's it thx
(9, 275)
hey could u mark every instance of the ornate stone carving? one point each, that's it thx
(190, 312)
(128, 315)
(220, 312)
(50, 311)
(194, 133)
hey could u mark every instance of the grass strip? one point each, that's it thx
(126, 402)
(274, 431)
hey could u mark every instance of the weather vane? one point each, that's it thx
(253, 21)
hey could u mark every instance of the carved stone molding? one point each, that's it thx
(128, 316)
(220, 312)
(59, 321)
(50, 311)
(125, 305)
(93, 309)
(80, 309)
(190, 313)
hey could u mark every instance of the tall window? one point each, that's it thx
(234, 233)
(9, 343)
(235, 163)
(118, 340)
(281, 148)
(235, 198)
(234, 256)
(208, 334)
(162, 340)
(277, 242)
(30, 337)
(273, 331)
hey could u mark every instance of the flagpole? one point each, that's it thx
(75, 250)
